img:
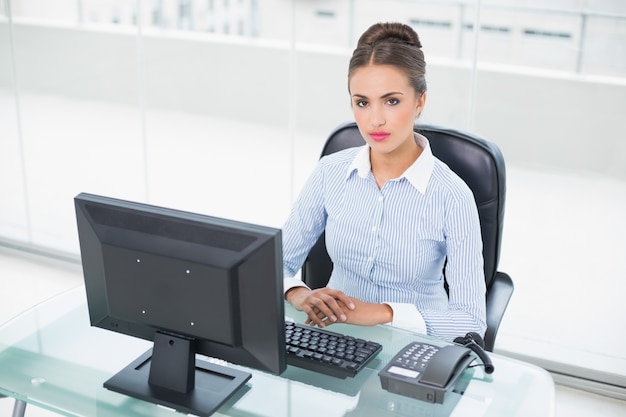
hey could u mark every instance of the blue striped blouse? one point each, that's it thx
(389, 245)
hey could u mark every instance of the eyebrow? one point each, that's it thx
(392, 93)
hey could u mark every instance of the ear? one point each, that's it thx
(421, 103)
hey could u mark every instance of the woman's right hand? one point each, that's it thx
(322, 305)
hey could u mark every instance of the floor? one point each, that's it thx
(41, 278)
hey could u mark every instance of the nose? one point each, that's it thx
(377, 118)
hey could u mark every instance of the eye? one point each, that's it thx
(393, 101)
(361, 103)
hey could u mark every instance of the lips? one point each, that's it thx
(378, 136)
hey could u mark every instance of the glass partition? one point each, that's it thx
(549, 81)
(14, 221)
(217, 120)
(79, 122)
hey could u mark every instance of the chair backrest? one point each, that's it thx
(476, 160)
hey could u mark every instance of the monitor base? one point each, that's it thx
(214, 385)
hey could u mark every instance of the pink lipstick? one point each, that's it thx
(378, 136)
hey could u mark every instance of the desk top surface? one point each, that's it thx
(51, 357)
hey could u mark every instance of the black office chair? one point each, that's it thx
(480, 164)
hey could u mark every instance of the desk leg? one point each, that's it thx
(19, 409)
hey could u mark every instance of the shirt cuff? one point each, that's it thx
(293, 282)
(406, 316)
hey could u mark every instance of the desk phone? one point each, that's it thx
(424, 371)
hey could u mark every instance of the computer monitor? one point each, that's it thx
(192, 284)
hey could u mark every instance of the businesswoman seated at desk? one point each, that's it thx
(393, 213)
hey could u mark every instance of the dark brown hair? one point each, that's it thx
(393, 44)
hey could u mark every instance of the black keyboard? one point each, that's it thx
(327, 352)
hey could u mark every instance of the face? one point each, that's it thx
(385, 106)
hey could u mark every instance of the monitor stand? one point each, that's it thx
(170, 375)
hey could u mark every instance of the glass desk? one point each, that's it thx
(51, 357)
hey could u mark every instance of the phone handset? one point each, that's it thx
(424, 371)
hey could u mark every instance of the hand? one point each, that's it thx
(367, 314)
(323, 306)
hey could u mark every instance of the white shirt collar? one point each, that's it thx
(418, 174)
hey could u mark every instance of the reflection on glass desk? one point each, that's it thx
(52, 358)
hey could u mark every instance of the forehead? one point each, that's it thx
(376, 80)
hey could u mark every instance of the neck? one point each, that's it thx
(392, 165)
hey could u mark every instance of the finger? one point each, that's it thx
(319, 315)
(325, 322)
(327, 308)
(343, 298)
(340, 303)
(324, 306)
(315, 316)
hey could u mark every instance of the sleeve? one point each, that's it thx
(464, 272)
(406, 316)
(293, 282)
(304, 225)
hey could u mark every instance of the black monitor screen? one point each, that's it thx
(190, 283)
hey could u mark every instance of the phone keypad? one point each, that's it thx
(416, 356)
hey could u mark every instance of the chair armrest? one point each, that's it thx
(497, 301)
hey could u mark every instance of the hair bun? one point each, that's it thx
(394, 32)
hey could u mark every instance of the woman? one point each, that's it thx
(393, 213)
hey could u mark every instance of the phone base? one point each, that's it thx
(448, 365)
